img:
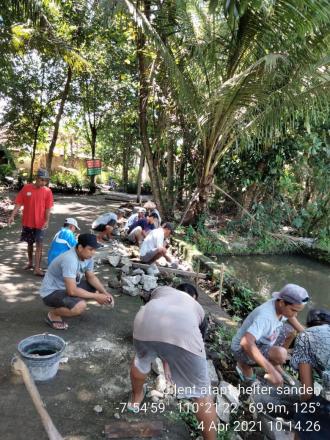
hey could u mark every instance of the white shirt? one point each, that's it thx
(153, 240)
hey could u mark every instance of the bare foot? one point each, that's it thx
(39, 273)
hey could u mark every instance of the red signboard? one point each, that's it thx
(94, 163)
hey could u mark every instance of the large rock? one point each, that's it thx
(157, 366)
(131, 290)
(149, 282)
(212, 373)
(126, 269)
(230, 392)
(114, 260)
(130, 280)
(161, 383)
(125, 261)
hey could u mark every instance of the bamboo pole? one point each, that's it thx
(221, 284)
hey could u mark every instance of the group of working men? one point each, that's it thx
(172, 324)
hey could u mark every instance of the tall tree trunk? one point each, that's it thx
(64, 97)
(143, 120)
(92, 187)
(34, 147)
(170, 175)
(139, 177)
(126, 162)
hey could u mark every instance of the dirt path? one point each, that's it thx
(99, 345)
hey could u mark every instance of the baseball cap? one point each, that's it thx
(72, 221)
(88, 240)
(140, 210)
(292, 293)
(42, 173)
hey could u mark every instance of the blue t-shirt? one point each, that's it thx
(143, 222)
(62, 242)
(66, 265)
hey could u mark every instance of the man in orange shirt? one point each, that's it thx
(37, 201)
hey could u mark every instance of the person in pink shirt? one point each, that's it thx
(37, 201)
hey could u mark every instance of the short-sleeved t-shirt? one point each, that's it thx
(312, 346)
(35, 201)
(154, 240)
(173, 317)
(143, 222)
(66, 265)
(62, 242)
(263, 323)
(104, 219)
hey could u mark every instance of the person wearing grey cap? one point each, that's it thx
(37, 201)
(64, 239)
(264, 336)
(70, 280)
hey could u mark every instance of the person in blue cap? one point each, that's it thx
(70, 281)
(37, 201)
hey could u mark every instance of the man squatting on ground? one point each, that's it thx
(153, 247)
(264, 336)
(170, 327)
(37, 201)
(64, 239)
(105, 225)
(64, 289)
(312, 352)
(140, 228)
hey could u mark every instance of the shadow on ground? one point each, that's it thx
(99, 345)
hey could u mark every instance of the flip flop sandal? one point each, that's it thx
(56, 325)
(243, 377)
(135, 407)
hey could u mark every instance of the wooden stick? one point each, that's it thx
(20, 368)
(170, 270)
(221, 283)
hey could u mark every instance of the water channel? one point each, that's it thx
(267, 274)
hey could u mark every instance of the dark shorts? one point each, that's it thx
(102, 227)
(314, 425)
(149, 255)
(59, 298)
(32, 235)
(241, 356)
(189, 372)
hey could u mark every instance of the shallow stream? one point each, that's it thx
(267, 274)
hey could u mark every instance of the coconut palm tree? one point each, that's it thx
(242, 70)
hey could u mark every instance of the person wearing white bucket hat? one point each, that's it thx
(64, 239)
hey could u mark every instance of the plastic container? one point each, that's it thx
(42, 354)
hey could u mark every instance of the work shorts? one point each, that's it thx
(241, 356)
(189, 372)
(32, 235)
(60, 298)
(149, 255)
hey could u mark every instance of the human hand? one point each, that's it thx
(105, 299)
(274, 377)
(45, 226)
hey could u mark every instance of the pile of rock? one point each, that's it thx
(132, 281)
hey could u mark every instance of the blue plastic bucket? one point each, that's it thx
(42, 354)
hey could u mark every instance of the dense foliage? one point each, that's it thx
(230, 93)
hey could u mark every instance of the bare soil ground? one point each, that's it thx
(99, 346)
